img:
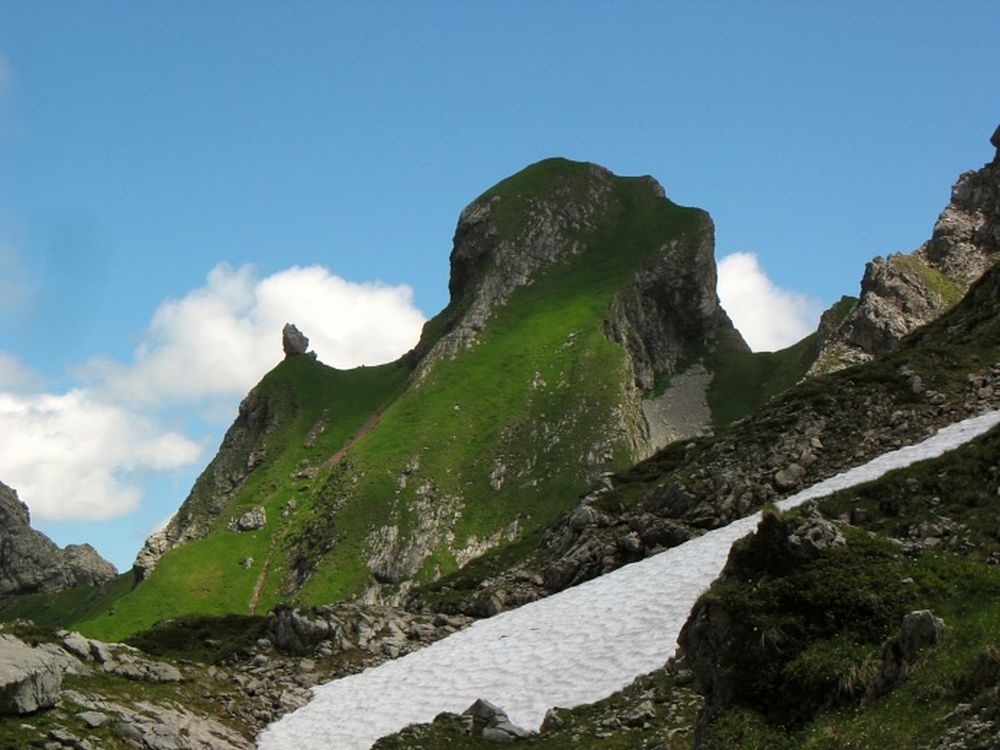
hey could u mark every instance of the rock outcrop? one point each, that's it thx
(293, 341)
(489, 262)
(30, 677)
(666, 316)
(30, 562)
(900, 293)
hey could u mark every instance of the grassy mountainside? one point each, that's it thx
(745, 380)
(514, 402)
(920, 539)
(316, 410)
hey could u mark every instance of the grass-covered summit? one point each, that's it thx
(576, 298)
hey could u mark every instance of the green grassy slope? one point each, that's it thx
(489, 446)
(205, 576)
(742, 381)
(831, 664)
(537, 394)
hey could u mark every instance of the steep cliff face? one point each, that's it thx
(902, 292)
(30, 562)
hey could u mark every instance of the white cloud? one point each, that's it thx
(70, 455)
(220, 339)
(81, 454)
(769, 317)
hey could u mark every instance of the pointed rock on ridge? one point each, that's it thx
(293, 341)
(902, 292)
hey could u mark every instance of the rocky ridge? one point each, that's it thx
(899, 293)
(30, 562)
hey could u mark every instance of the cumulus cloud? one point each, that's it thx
(768, 316)
(71, 456)
(219, 339)
(83, 454)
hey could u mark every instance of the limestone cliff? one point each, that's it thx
(30, 562)
(902, 292)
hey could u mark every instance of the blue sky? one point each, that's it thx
(176, 179)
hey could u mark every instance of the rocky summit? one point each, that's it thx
(901, 292)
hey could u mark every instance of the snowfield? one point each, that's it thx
(578, 646)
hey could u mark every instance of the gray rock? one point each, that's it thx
(30, 678)
(294, 632)
(93, 719)
(293, 341)
(789, 477)
(902, 292)
(488, 712)
(143, 670)
(495, 734)
(919, 630)
(253, 519)
(814, 536)
(30, 562)
(498, 727)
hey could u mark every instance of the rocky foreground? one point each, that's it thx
(63, 690)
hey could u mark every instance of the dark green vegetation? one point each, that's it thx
(819, 628)
(55, 610)
(207, 640)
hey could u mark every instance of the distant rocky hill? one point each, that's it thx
(30, 562)
(901, 292)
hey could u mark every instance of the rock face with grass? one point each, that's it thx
(575, 297)
(242, 450)
(30, 562)
(899, 293)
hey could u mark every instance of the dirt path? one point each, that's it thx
(361, 432)
(261, 577)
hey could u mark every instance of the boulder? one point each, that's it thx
(919, 630)
(253, 519)
(497, 727)
(30, 677)
(814, 536)
(293, 341)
